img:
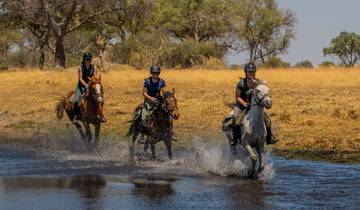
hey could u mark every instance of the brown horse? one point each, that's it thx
(158, 127)
(91, 109)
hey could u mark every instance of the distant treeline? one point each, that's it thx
(174, 34)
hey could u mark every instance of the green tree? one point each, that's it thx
(267, 30)
(346, 47)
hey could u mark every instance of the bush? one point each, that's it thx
(304, 64)
(276, 62)
(3, 66)
(327, 64)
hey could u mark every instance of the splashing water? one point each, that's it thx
(216, 158)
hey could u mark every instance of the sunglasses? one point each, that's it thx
(156, 73)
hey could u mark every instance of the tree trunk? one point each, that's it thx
(42, 57)
(60, 59)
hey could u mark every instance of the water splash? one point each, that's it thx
(215, 157)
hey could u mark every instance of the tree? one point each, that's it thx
(200, 20)
(346, 47)
(58, 18)
(304, 64)
(267, 30)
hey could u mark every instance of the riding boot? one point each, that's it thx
(270, 138)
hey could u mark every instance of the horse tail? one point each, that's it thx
(131, 130)
(60, 107)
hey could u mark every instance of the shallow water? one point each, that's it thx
(203, 177)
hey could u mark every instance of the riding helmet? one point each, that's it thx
(155, 69)
(250, 67)
(87, 56)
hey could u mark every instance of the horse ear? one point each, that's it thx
(173, 91)
(90, 78)
(265, 82)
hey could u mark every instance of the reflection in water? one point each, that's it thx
(89, 186)
(153, 189)
(247, 195)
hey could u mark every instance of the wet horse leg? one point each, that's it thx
(260, 151)
(168, 147)
(88, 131)
(152, 146)
(146, 144)
(253, 159)
(79, 128)
(97, 134)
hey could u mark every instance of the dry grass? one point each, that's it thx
(314, 110)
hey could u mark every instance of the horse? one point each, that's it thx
(158, 127)
(91, 109)
(253, 130)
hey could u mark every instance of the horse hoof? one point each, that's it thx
(153, 157)
(252, 174)
(171, 157)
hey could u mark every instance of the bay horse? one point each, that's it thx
(91, 109)
(253, 130)
(159, 125)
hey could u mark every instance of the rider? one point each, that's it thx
(85, 71)
(154, 87)
(243, 95)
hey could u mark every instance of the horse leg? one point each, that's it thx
(168, 147)
(253, 159)
(152, 146)
(146, 144)
(260, 151)
(79, 128)
(97, 134)
(88, 131)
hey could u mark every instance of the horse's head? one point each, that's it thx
(262, 94)
(95, 89)
(170, 104)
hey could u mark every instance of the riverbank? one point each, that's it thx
(315, 115)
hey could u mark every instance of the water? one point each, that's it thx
(204, 177)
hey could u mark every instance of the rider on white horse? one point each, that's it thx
(243, 94)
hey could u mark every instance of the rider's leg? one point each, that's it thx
(270, 138)
(76, 104)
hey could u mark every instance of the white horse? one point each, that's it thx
(253, 130)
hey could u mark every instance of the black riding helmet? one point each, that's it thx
(155, 69)
(250, 67)
(87, 56)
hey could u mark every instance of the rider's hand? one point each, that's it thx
(246, 105)
(152, 99)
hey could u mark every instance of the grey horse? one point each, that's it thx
(253, 131)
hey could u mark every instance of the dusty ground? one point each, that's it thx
(316, 113)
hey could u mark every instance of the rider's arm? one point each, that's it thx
(239, 99)
(145, 94)
(80, 78)
(95, 71)
(163, 90)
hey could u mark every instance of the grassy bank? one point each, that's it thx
(314, 111)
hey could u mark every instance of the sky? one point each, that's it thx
(318, 21)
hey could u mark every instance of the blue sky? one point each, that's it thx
(318, 21)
